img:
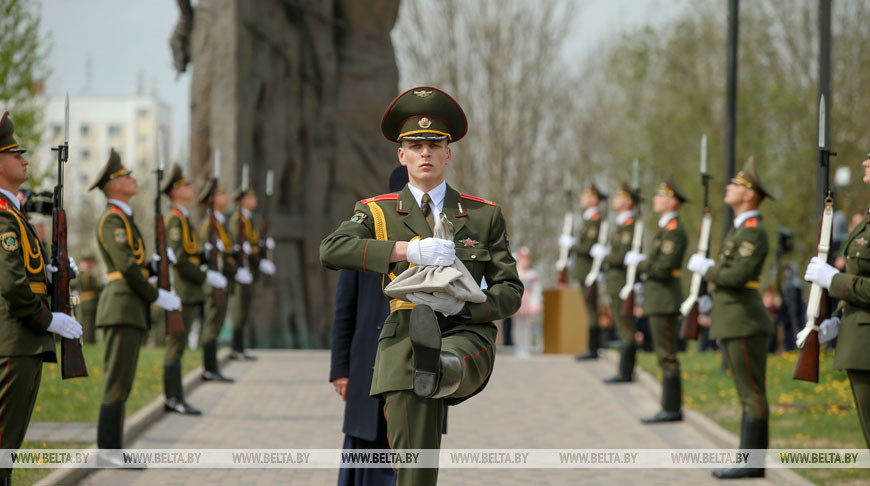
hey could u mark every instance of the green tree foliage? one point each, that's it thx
(23, 66)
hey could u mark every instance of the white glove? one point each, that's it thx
(215, 279)
(566, 241)
(633, 258)
(700, 264)
(705, 304)
(171, 256)
(440, 302)
(243, 276)
(167, 300)
(431, 251)
(65, 326)
(267, 267)
(270, 243)
(246, 247)
(74, 270)
(599, 251)
(829, 329)
(819, 272)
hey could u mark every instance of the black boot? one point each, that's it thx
(239, 346)
(425, 335)
(594, 345)
(110, 426)
(175, 392)
(627, 356)
(672, 401)
(210, 364)
(753, 435)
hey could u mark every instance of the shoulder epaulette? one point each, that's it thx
(177, 212)
(117, 210)
(628, 221)
(595, 217)
(752, 223)
(382, 197)
(672, 225)
(477, 199)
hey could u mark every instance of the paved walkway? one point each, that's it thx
(284, 401)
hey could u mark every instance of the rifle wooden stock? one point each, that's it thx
(218, 295)
(264, 248)
(174, 322)
(690, 328)
(807, 368)
(72, 359)
(628, 306)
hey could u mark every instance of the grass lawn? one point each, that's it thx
(78, 399)
(802, 414)
(32, 475)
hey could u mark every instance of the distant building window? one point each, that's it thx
(114, 130)
(142, 139)
(56, 130)
(85, 129)
(142, 112)
(85, 153)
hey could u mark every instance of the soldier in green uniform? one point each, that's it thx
(26, 339)
(428, 356)
(123, 308)
(620, 243)
(248, 237)
(188, 280)
(739, 317)
(88, 286)
(663, 294)
(852, 318)
(589, 201)
(216, 310)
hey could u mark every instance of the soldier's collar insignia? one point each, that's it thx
(469, 242)
(752, 223)
(424, 122)
(9, 241)
(861, 241)
(422, 93)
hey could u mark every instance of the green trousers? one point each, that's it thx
(215, 313)
(86, 314)
(665, 334)
(860, 380)
(176, 344)
(244, 294)
(415, 423)
(747, 361)
(592, 312)
(121, 358)
(19, 385)
(625, 326)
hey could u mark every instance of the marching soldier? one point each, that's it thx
(248, 236)
(739, 317)
(428, 355)
(620, 243)
(88, 286)
(187, 282)
(123, 308)
(663, 294)
(214, 196)
(26, 339)
(589, 201)
(852, 316)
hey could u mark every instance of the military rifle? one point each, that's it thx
(626, 293)
(214, 256)
(807, 368)
(174, 321)
(689, 308)
(567, 229)
(264, 224)
(241, 256)
(72, 359)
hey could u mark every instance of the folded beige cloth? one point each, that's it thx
(455, 280)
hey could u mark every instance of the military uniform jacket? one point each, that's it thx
(189, 279)
(588, 237)
(127, 296)
(481, 243)
(89, 287)
(244, 230)
(227, 259)
(737, 307)
(662, 290)
(620, 244)
(853, 287)
(25, 311)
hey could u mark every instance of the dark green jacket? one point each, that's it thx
(127, 296)
(25, 311)
(662, 290)
(588, 236)
(853, 287)
(737, 307)
(243, 229)
(227, 260)
(188, 278)
(620, 244)
(481, 243)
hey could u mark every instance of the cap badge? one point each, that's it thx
(424, 122)
(422, 93)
